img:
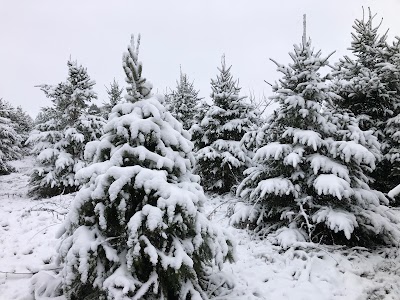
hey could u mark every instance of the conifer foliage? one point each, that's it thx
(392, 156)
(20, 121)
(183, 101)
(10, 140)
(59, 140)
(197, 131)
(312, 165)
(136, 229)
(221, 159)
(369, 87)
(114, 96)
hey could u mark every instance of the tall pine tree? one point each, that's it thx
(183, 101)
(136, 229)
(10, 140)
(59, 142)
(369, 87)
(221, 159)
(114, 93)
(312, 164)
(197, 131)
(392, 128)
(21, 122)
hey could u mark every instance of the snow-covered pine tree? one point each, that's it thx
(21, 122)
(222, 159)
(10, 140)
(369, 87)
(197, 131)
(24, 123)
(9, 149)
(311, 166)
(392, 127)
(136, 229)
(183, 101)
(114, 97)
(392, 155)
(46, 143)
(76, 100)
(60, 141)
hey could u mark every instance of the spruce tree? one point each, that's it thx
(197, 131)
(392, 127)
(136, 229)
(10, 140)
(21, 122)
(392, 155)
(59, 142)
(369, 87)
(114, 96)
(183, 101)
(24, 123)
(8, 148)
(221, 160)
(312, 164)
(46, 145)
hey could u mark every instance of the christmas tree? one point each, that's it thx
(183, 101)
(136, 229)
(312, 164)
(60, 140)
(368, 85)
(221, 159)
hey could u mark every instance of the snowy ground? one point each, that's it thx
(262, 271)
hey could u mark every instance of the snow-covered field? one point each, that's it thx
(262, 271)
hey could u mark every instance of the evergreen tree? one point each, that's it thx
(167, 100)
(393, 152)
(114, 95)
(78, 95)
(369, 87)
(59, 142)
(10, 140)
(136, 229)
(8, 146)
(392, 127)
(46, 143)
(197, 131)
(21, 122)
(24, 121)
(183, 101)
(312, 164)
(221, 159)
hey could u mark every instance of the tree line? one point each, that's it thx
(318, 168)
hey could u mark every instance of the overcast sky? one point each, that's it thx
(37, 38)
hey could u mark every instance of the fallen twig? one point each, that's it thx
(28, 273)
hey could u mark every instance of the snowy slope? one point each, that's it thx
(27, 229)
(308, 272)
(262, 271)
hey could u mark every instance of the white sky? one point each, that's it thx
(37, 38)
